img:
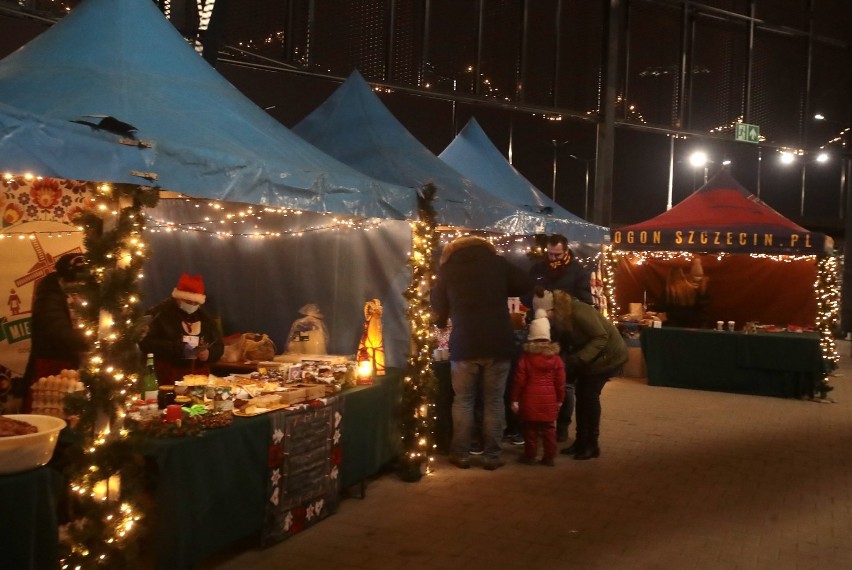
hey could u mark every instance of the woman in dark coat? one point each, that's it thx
(594, 352)
(56, 343)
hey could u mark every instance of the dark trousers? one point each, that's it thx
(567, 408)
(588, 395)
(532, 431)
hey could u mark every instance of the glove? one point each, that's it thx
(515, 407)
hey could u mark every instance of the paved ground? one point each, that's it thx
(686, 480)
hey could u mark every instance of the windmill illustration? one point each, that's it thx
(42, 267)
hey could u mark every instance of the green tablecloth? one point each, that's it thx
(768, 364)
(370, 432)
(29, 535)
(210, 490)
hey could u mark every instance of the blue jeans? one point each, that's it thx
(466, 375)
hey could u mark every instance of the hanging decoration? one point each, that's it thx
(419, 385)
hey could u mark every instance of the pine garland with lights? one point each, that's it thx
(827, 289)
(419, 386)
(104, 532)
(609, 265)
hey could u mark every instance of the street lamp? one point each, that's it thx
(587, 162)
(698, 159)
(556, 145)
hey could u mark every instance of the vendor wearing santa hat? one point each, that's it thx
(182, 336)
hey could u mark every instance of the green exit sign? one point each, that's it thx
(748, 133)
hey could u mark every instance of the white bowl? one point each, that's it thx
(23, 452)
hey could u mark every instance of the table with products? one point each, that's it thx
(211, 491)
(782, 364)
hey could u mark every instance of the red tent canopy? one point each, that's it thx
(720, 216)
(723, 217)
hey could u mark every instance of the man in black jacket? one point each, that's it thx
(472, 289)
(562, 272)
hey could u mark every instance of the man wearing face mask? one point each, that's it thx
(182, 336)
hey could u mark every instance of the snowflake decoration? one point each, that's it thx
(277, 436)
(314, 510)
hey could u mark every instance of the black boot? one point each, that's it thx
(571, 449)
(588, 452)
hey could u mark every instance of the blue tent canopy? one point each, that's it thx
(474, 155)
(122, 62)
(355, 127)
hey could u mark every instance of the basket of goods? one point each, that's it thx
(27, 441)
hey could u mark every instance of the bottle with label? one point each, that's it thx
(150, 386)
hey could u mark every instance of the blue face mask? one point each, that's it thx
(187, 308)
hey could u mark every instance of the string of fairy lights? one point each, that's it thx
(106, 525)
(419, 383)
(114, 228)
(826, 286)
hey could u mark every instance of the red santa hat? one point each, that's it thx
(190, 288)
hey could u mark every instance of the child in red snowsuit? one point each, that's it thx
(538, 390)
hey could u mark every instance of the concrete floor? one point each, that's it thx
(686, 480)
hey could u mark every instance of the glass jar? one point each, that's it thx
(166, 396)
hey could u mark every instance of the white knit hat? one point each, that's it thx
(539, 327)
(544, 302)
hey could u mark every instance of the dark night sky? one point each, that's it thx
(641, 173)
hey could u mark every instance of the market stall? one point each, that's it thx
(746, 267)
(157, 116)
(354, 126)
(473, 155)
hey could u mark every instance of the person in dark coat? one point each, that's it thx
(57, 344)
(472, 288)
(182, 336)
(538, 390)
(562, 272)
(593, 352)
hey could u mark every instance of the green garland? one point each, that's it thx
(419, 387)
(103, 533)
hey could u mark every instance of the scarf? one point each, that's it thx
(559, 263)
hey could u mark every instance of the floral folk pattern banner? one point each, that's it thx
(36, 229)
(304, 468)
